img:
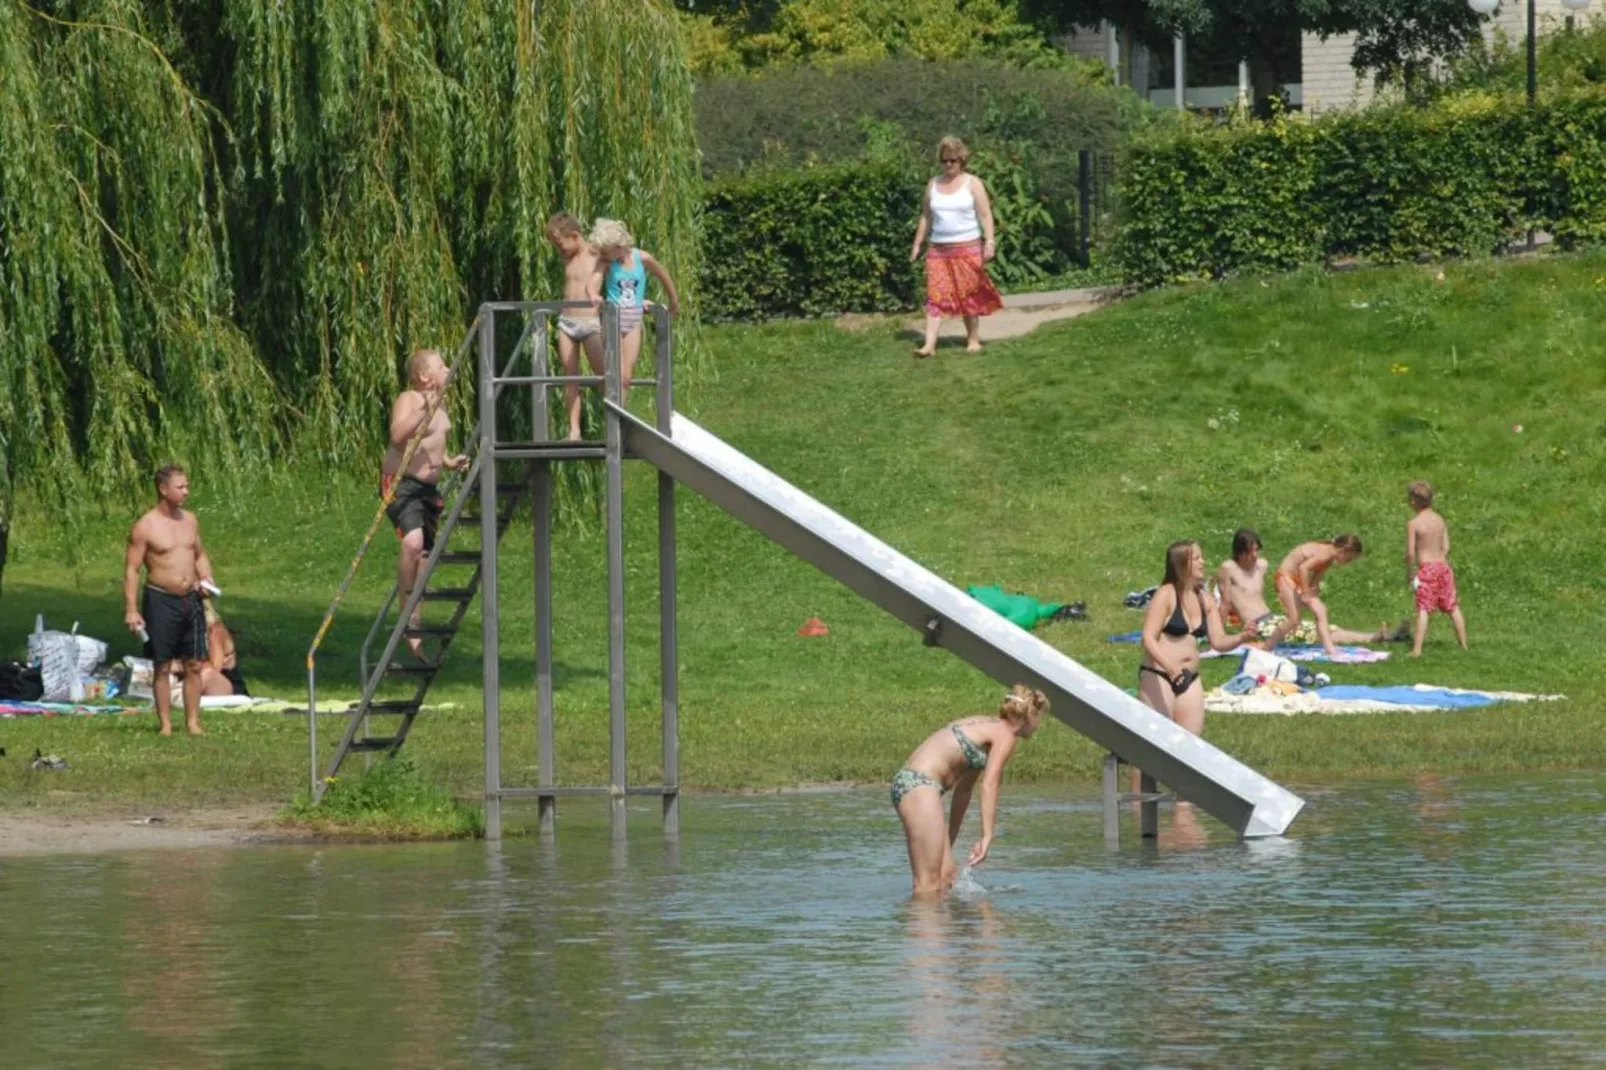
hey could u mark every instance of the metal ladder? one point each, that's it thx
(459, 491)
(436, 636)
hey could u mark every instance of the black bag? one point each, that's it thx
(20, 682)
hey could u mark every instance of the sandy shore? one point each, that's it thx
(24, 832)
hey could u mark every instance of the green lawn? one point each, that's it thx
(1060, 464)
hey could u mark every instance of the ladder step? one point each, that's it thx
(396, 668)
(423, 630)
(399, 705)
(373, 743)
(459, 557)
(449, 594)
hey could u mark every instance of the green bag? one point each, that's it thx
(1022, 609)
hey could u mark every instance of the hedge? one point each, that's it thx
(1461, 177)
(801, 116)
(809, 243)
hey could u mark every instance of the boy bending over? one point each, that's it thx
(1299, 587)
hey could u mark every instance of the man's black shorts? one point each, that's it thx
(176, 624)
(416, 505)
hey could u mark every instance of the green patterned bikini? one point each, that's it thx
(908, 780)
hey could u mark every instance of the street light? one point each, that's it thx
(1488, 7)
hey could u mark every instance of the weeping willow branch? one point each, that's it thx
(222, 228)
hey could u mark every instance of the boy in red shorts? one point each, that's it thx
(1427, 565)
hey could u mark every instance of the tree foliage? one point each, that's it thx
(223, 226)
(822, 32)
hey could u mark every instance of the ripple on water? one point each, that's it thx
(1439, 921)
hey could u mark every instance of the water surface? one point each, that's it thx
(1430, 922)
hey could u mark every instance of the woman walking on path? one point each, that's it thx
(951, 758)
(958, 217)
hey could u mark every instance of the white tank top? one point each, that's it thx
(953, 215)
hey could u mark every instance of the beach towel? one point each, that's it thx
(1349, 655)
(1343, 698)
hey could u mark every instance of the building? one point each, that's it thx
(1315, 75)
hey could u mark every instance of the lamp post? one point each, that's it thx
(1488, 7)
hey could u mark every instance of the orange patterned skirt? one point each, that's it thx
(957, 282)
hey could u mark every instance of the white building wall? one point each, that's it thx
(1327, 80)
(1093, 43)
(1330, 82)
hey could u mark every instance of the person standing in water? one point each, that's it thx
(954, 758)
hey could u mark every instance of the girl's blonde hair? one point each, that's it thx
(611, 234)
(1023, 707)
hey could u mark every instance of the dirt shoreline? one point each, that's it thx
(102, 829)
(32, 832)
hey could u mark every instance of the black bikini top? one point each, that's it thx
(1178, 624)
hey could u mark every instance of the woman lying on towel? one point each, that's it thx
(221, 676)
(1181, 613)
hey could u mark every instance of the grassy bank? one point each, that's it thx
(1060, 464)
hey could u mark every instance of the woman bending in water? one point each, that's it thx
(951, 758)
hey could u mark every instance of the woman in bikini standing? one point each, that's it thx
(1180, 614)
(950, 760)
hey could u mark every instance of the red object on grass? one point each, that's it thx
(814, 626)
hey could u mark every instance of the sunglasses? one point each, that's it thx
(953, 159)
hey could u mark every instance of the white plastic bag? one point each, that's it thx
(88, 654)
(1259, 663)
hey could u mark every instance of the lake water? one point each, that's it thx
(1435, 922)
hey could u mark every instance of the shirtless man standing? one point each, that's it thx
(166, 542)
(415, 509)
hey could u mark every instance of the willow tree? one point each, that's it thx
(222, 227)
(116, 338)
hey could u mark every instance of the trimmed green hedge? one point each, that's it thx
(1461, 177)
(809, 243)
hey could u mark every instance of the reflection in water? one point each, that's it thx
(955, 960)
(1445, 922)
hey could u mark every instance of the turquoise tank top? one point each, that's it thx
(625, 284)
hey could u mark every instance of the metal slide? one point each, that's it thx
(1226, 788)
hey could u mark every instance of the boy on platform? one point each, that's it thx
(579, 328)
(1427, 566)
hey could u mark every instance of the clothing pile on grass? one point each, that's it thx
(65, 672)
(1268, 684)
(1024, 610)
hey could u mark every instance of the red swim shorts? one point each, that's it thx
(1435, 587)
